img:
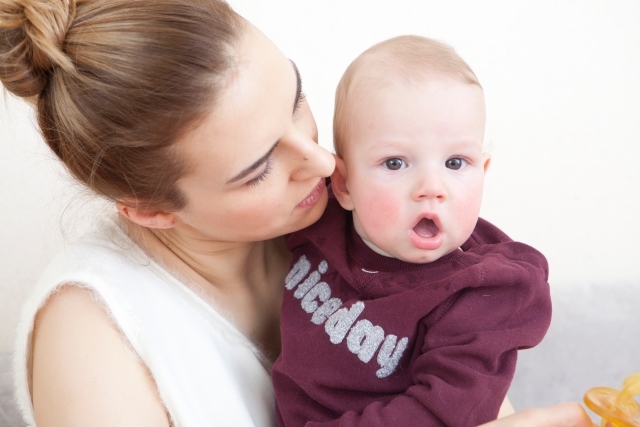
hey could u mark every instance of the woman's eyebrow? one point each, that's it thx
(298, 85)
(254, 166)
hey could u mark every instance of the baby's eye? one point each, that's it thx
(394, 164)
(455, 163)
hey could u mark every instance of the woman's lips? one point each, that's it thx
(314, 196)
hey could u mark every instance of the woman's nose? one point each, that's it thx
(428, 185)
(310, 160)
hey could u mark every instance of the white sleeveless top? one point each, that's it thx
(206, 371)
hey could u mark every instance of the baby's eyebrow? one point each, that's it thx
(246, 171)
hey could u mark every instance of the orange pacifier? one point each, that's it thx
(618, 408)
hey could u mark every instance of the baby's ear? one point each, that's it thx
(340, 185)
(487, 160)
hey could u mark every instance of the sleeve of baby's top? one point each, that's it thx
(469, 352)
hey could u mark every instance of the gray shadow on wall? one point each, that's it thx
(594, 340)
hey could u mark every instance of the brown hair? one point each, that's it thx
(116, 82)
(409, 57)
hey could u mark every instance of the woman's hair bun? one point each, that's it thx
(32, 35)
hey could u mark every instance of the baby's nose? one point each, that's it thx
(429, 186)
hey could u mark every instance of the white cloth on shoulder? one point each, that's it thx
(207, 372)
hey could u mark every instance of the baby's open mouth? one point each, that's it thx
(426, 228)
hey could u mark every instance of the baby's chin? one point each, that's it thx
(411, 255)
(407, 250)
(422, 256)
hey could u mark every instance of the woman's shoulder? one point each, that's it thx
(81, 360)
(72, 349)
(99, 293)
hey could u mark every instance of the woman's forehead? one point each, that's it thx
(250, 112)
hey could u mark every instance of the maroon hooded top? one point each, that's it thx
(369, 340)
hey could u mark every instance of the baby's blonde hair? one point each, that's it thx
(406, 57)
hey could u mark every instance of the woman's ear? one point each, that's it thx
(146, 218)
(340, 185)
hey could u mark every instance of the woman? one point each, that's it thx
(194, 124)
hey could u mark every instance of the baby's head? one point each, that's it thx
(408, 132)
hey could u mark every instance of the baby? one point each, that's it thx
(402, 307)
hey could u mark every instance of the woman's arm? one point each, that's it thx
(84, 373)
(569, 414)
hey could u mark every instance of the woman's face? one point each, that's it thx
(256, 169)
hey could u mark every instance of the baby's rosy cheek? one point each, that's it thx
(380, 211)
(467, 215)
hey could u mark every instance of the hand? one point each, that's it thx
(568, 414)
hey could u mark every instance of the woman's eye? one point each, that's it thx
(257, 180)
(455, 163)
(301, 98)
(394, 164)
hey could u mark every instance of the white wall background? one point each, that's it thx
(562, 83)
